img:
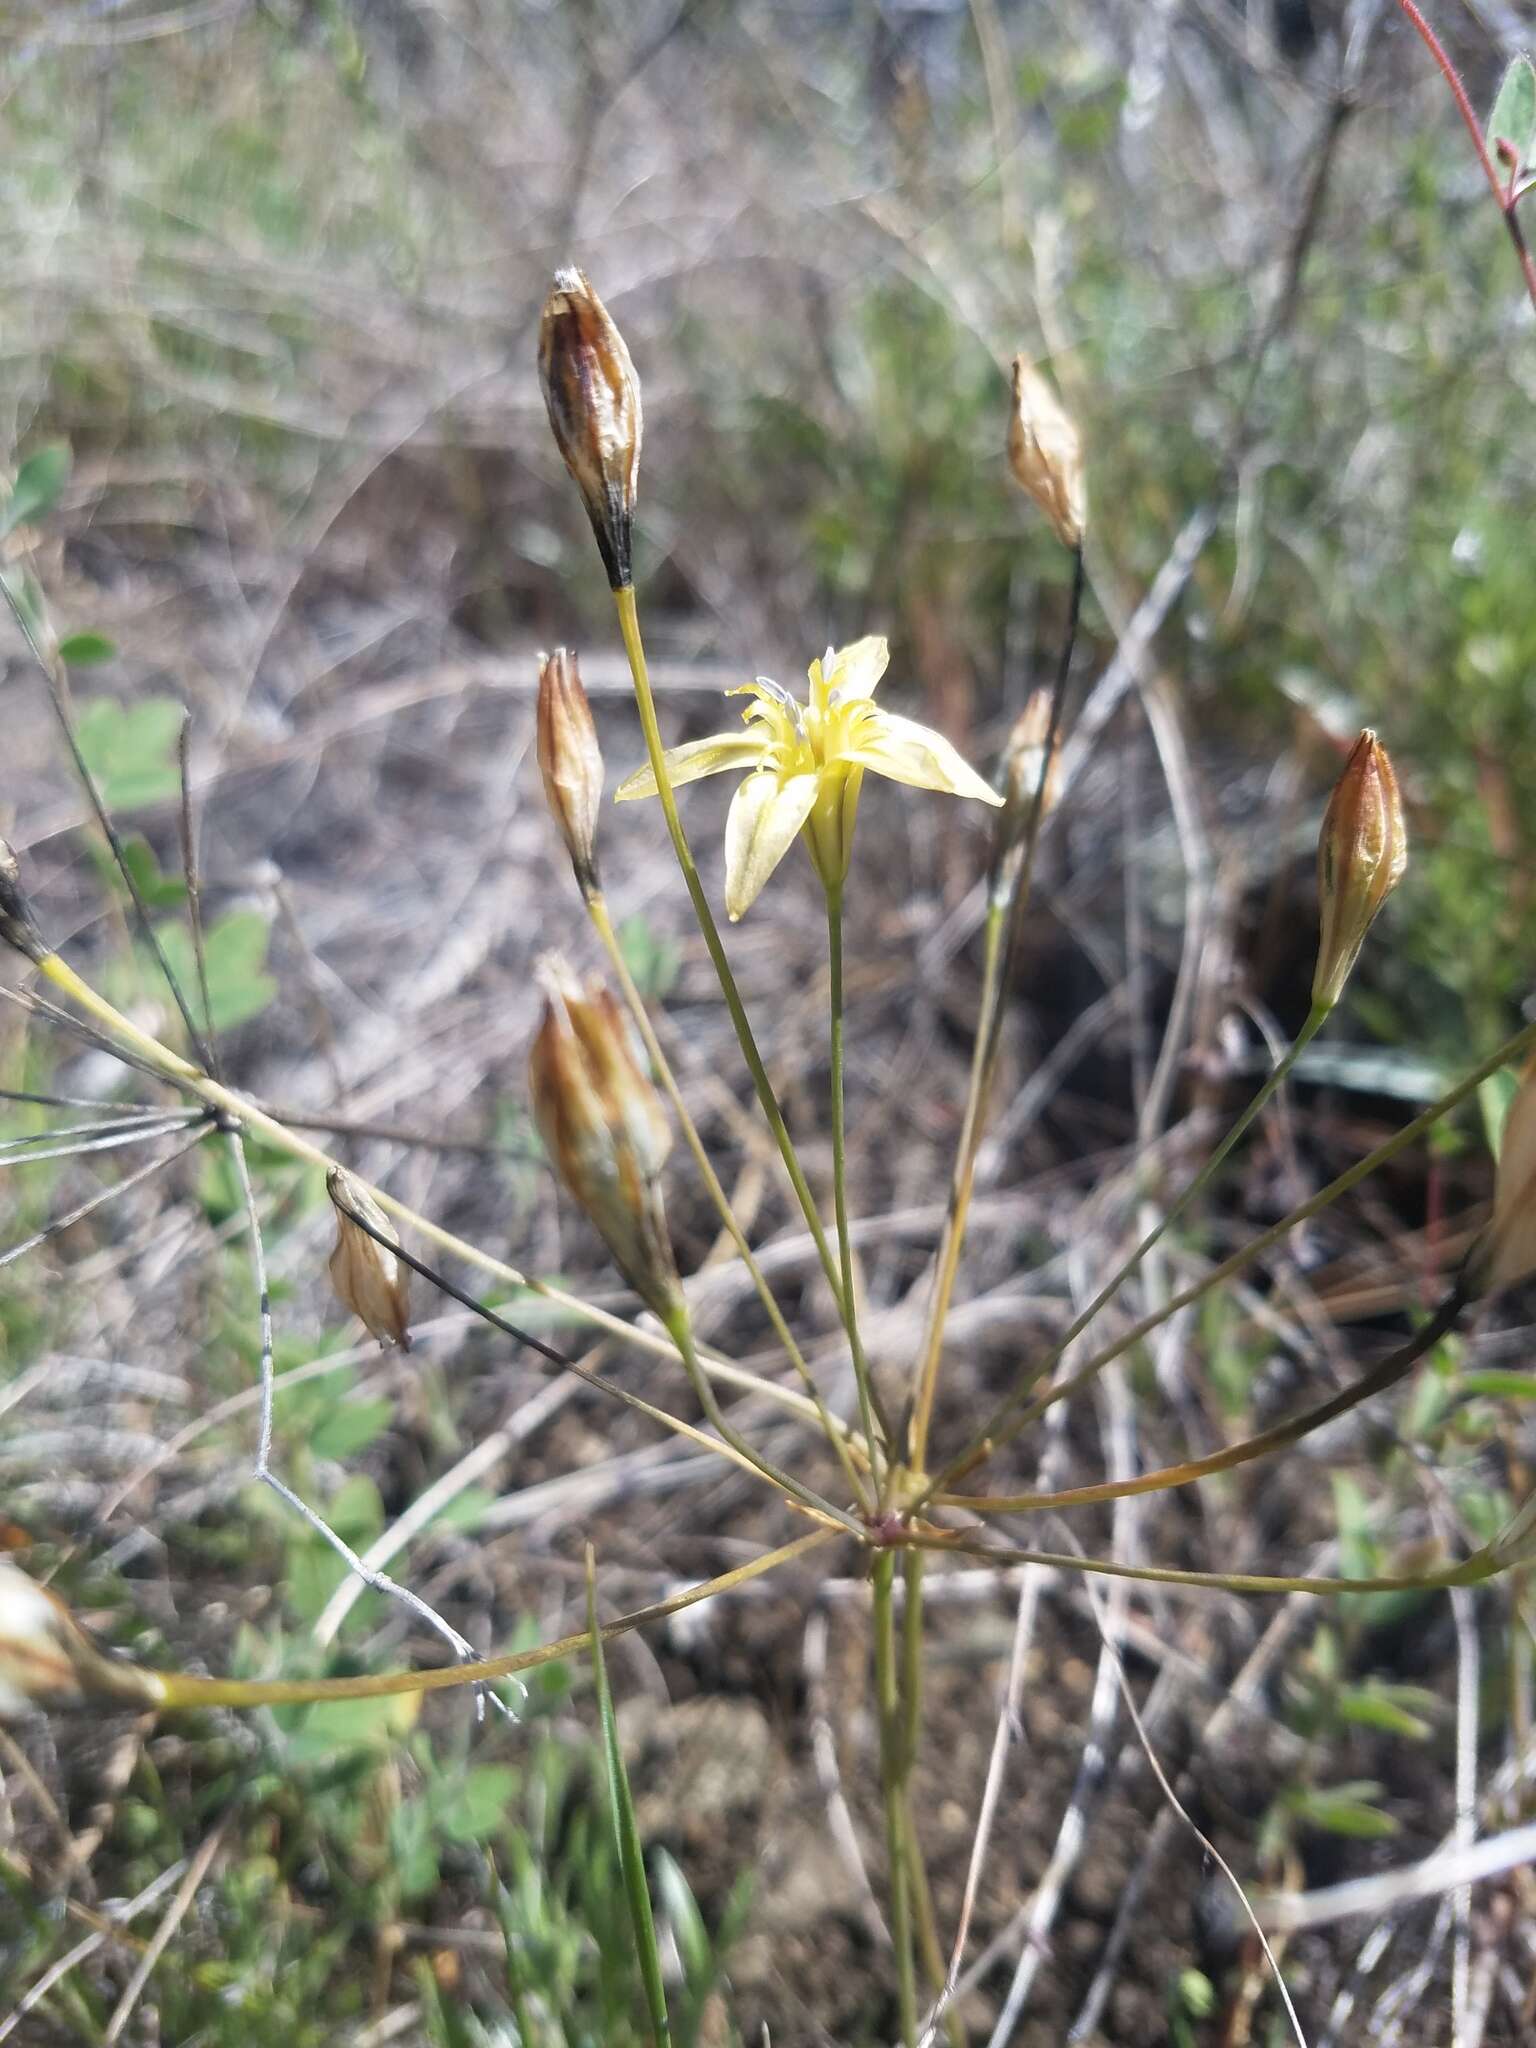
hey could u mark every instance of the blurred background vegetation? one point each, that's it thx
(272, 269)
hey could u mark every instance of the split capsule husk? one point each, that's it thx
(48, 1661)
(18, 927)
(370, 1280)
(1045, 453)
(1023, 763)
(593, 398)
(571, 762)
(1361, 854)
(604, 1128)
(1506, 1251)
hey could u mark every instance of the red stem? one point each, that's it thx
(1501, 193)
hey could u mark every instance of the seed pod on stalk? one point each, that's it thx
(1361, 854)
(370, 1280)
(593, 398)
(47, 1660)
(18, 927)
(571, 763)
(1045, 453)
(604, 1128)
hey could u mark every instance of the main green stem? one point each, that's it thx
(893, 1779)
(861, 1373)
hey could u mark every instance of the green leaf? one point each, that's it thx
(1494, 1096)
(130, 750)
(1345, 1810)
(159, 891)
(627, 1832)
(36, 489)
(235, 946)
(1502, 1386)
(1513, 120)
(1368, 1706)
(475, 1806)
(86, 650)
(694, 1947)
(349, 1427)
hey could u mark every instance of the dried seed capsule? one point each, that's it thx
(1361, 853)
(1045, 454)
(593, 397)
(371, 1281)
(47, 1660)
(570, 762)
(17, 925)
(1506, 1251)
(604, 1128)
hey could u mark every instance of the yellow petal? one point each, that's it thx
(856, 669)
(764, 822)
(698, 757)
(911, 753)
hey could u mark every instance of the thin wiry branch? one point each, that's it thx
(100, 1199)
(189, 869)
(56, 678)
(378, 1582)
(167, 1127)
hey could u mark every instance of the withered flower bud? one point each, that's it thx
(593, 396)
(570, 762)
(1361, 854)
(1506, 1251)
(604, 1128)
(17, 925)
(1045, 454)
(371, 1281)
(47, 1660)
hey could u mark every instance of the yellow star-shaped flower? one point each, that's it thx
(806, 763)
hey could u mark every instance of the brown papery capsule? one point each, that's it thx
(1506, 1251)
(370, 1280)
(1361, 853)
(593, 397)
(1045, 453)
(18, 928)
(604, 1128)
(46, 1658)
(1023, 760)
(571, 762)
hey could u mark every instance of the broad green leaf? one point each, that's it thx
(477, 1805)
(235, 946)
(159, 891)
(36, 489)
(130, 749)
(336, 1725)
(1513, 120)
(627, 1833)
(86, 650)
(350, 1427)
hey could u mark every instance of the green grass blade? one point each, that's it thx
(627, 1833)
